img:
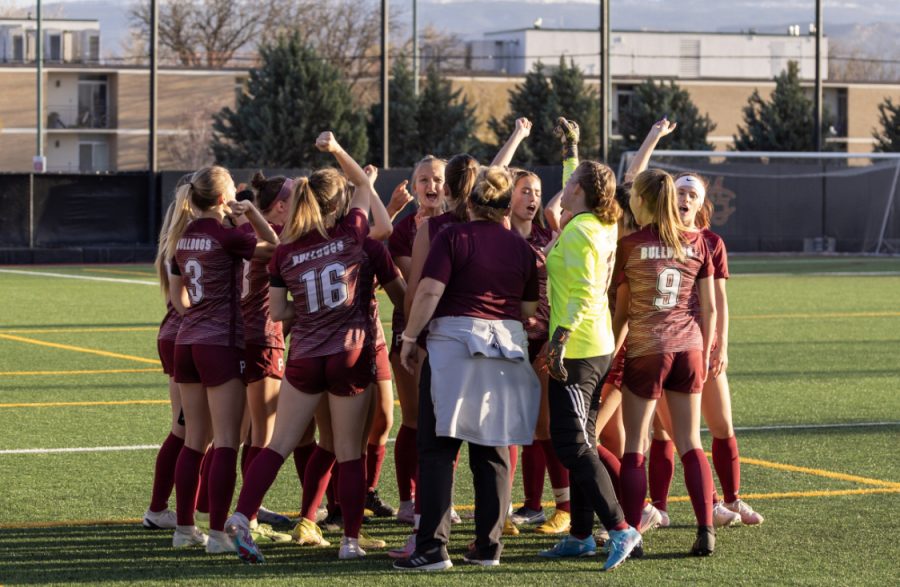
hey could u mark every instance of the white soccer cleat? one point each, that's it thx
(650, 518)
(187, 536)
(220, 543)
(454, 516)
(746, 513)
(664, 521)
(164, 520)
(724, 517)
(350, 549)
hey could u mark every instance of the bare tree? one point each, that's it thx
(9, 9)
(848, 62)
(189, 146)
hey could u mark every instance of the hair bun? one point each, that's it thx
(258, 181)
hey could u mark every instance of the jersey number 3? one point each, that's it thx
(334, 290)
(668, 282)
(194, 271)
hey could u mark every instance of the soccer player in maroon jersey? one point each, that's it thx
(669, 339)
(319, 262)
(479, 277)
(205, 288)
(428, 186)
(158, 515)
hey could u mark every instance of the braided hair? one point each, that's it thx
(599, 185)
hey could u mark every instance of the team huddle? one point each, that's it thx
(592, 332)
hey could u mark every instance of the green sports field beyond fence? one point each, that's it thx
(815, 376)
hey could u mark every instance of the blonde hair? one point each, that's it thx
(200, 190)
(314, 199)
(427, 160)
(599, 185)
(491, 194)
(657, 189)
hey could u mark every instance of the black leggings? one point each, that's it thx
(573, 419)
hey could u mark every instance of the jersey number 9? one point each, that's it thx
(668, 282)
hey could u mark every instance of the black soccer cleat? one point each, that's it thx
(705, 543)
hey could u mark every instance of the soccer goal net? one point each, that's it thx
(813, 202)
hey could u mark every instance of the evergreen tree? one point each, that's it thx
(292, 97)
(405, 147)
(888, 138)
(534, 99)
(446, 121)
(578, 102)
(652, 101)
(784, 123)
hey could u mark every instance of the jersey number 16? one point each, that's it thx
(329, 282)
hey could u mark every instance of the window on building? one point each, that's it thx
(622, 102)
(93, 156)
(93, 52)
(689, 60)
(92, 101)
(55, 49)
(18, 51)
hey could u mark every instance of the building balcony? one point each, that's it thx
(75, 117)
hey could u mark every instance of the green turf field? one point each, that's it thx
(816, 392)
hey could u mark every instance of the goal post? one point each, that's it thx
(791, 202)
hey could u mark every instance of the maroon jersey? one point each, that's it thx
(208, 257)
(400, 244)
(716, 247)
(663, 316)
(437, 224)
(168, 330)
(488, 271)
(377, 266)
(537, 325)
(322, 275)
(259, 329)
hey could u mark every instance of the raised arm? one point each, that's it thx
(381, 227)
(362, 195)
(400, 198)
(266, 239)
(641, 159)
(505, 154)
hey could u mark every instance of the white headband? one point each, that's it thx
(690, 181)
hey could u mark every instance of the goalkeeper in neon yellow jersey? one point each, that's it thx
(579, 268)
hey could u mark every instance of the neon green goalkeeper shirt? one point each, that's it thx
(579, 270)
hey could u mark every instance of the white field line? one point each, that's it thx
(85, 277)
(43, 451)
(821, 274)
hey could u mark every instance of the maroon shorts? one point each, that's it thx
(262, 362)
(382, 364)
(166, 350)
(616, 370)
(208, 364)
(535, 346)
(347, 373)
(649, 375)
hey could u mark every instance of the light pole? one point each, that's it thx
(39, 163)
(385, 128)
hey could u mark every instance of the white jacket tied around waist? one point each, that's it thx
(483, 387)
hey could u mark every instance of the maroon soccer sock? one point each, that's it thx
(352, 495)
(558, 473)
(661, 472)
(513, 461)
(259, 478)
(633, 480)
(222, 477)
(406, 458)
(613, 467)
(164, 474)
(374, 462)
(331, 492)
(302, 455)
(727, 462)
(250, 453)
(315, 481)
(698, 479)
(245, 454)
(533, 467)
(187, 480)
(203, 492)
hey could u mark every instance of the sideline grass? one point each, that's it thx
(802, 353)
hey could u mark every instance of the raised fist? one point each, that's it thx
(327, 143)
(567, 131)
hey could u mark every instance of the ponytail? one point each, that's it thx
(181, 215)
(657, 190)
(305, 214)
(460, 175)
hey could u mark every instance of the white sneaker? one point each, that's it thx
(650, 518)
(350, 549)
(724, 517)
(746, 513)
(321, 514)
(664, 521)
(164, 520)
(187, 536)
(454, 517)
(219, 543)
(406, 513)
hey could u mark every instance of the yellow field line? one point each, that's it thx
(820, 473)
(817, 315)
(121, 272)
(81, 404)
(79, 349)
(81, 330)
(468, 507)
(78, 372)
